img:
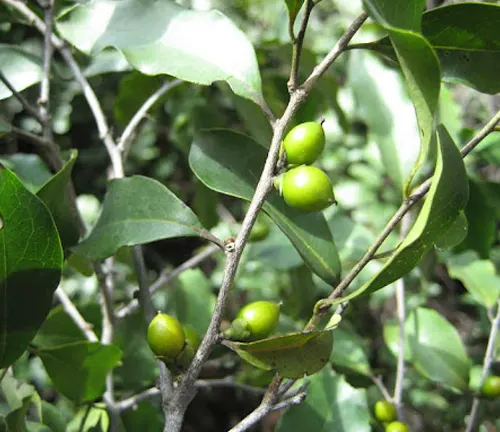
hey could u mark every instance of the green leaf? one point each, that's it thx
(30, 169)
(383, 104)
(350, 350)
(478, 276)
(30, 265)
(467, 41)
(95, 420)
(293, 9)
(331, 405)
(166, 38)
(55, 194)
(434, 348)
(406, 14)
(446, 198)
(291, 355)
(482, 220)
(456, 232)
(418, 61)
(59, 329)
(194, 300)
(53, 418)
(18, 396)
(78, 370)
(231, 163)
(137, 210)
(21, 68)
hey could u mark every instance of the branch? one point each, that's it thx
(166, 277)
(44, 99)
(185, 392)
(124, 141)
(297, 47)
(24, 102)
(488, 360)
(90, 96)
(401, 310)
(75, 315)
(405, 207)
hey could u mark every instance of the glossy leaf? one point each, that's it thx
(137, 210)
(331, 405)
(446, 198)
(455, 234)
(482, 220)
(78, 370)
(478, 276)
(55, 195)
(231, 163)
(467, 42)
(31, 262)
(434, 348)
(291, 355)
(166, 38)
(29, 168)
(418, 61)
(21, 68)
(293, 7)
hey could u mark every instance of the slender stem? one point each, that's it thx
(88, 92)
(488, 360)
(106, 287)
(126, 138)
(166, 277)
(75, 315)
(297, 47)
(44, 99)
(265, 408)
(24, 102)
(401, 311)
(382, 388)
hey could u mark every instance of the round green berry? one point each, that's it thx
(491, 387)
(307, 188)
(385, 411)
(304, 143)
(397, 426)
(166, 337)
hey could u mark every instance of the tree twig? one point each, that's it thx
(297, 47)
(488, 360)
(166, 277)
(75, 315)
(24, 102)
(44, 99)
(185, 392)
(401, 312)
(125, 140)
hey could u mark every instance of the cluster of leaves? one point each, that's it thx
(195, 161)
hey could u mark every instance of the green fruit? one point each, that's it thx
(166, 337)
(259, 231)
(491, 387)
(385, 411)
(397, 427)
(307, 188)
(254, 321)
(304, 143)
(192, 338)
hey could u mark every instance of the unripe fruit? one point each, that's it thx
(491, 387)
(397, 427)
(166, 337)
(385, 411)
(259, 231)
(307, 188)
(304, 143)
(254, 321)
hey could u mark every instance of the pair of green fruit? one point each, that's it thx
(385, 412)
(176, 345)
(305, 187)
(172, 343)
